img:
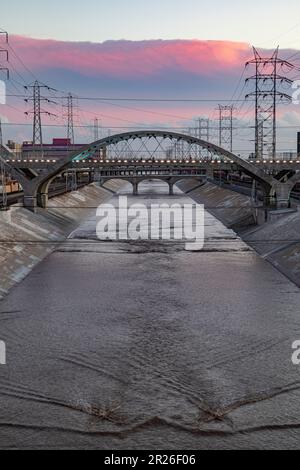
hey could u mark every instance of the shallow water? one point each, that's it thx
(117, 345)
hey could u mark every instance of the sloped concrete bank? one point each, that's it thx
(27, 238)
(277, 241)
(231, 208)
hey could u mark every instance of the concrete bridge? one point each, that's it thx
(141, 155)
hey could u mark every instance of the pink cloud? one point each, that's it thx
(132, 59)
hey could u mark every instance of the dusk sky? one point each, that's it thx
(93, 20)
(188, 50)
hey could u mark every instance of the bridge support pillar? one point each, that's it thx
(278, 196)
(209, 174)
(42, 200)
(30, 202)
(283, 191)
(135, 188)
(269, 201)
(171, 189)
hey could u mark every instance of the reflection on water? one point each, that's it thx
(118, 345)
(217, 237)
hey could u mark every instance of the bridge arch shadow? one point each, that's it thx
(170, 182)
(294, 190)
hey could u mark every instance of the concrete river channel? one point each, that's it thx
(144, 345)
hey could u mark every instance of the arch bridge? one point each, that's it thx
(140, 155)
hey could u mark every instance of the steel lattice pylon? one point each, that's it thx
(226, 127)
(70, 119)
(97, 123)
(267, 95)
(37, 113)
(201, 131)
(37, 121)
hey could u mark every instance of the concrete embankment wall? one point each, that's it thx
(277, 240)
(232, 209)
(27, 238)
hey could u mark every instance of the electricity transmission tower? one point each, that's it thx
(37, 113)
(226, 127)
(269, 80)
(201, 131)
(70, 115)
(97, 125)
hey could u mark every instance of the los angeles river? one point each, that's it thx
(143, 345)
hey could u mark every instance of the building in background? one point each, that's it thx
(285, 156)
(59, 148)
(14, 147)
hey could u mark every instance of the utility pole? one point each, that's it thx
(226, 127)
(37, 113)
(267, 95)
(71, 180)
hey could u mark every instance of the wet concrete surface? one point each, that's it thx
(141, 345)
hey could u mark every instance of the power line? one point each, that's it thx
(22, 63)
(146, 111)
(284, 33)
(291, 126)
(166, 100)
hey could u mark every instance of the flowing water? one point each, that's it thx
(143, 345)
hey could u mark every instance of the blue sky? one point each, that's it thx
(262, 23)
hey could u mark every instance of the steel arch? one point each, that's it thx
(90, 149)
